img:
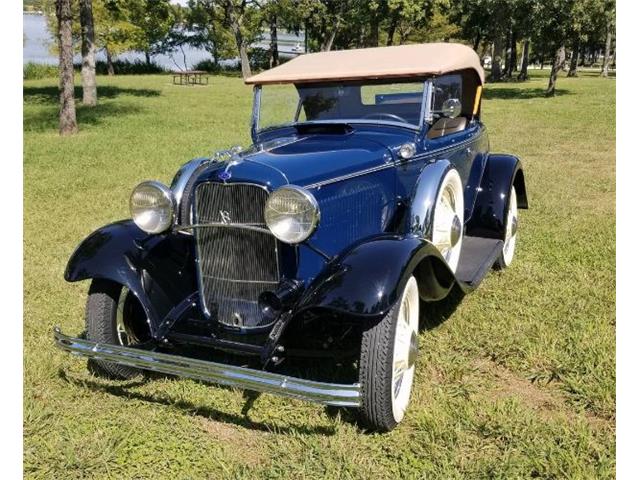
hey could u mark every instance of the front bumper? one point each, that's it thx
(261, 381)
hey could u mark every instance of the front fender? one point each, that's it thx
(158, 269)
(490, 210)
(368, 279)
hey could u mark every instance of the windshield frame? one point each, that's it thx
(425, 114)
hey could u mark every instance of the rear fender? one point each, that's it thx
(490, 209)
(419, 219)
(158, 269)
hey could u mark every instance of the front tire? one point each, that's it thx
(113, 316)
(387, 362)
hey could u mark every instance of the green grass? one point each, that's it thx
(519, 381)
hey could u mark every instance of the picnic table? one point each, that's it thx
(190, 77)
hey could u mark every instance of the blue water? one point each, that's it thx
(37, 42)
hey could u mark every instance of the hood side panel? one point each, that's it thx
(349, 211)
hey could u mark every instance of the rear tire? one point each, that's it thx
(104, 301)
(511, 228)
(448, 219)
(387, 362)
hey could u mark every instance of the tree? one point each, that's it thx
(68, 123)
(241, 16)
(153, 20)
(205, 20)
(279, 14)
(323, 19)
(89, 90)
(113, 31)
(555, 68)
(610, 18)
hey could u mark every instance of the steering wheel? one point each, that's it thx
(395, 118)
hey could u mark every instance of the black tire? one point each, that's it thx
(376, 372)
(100, 320)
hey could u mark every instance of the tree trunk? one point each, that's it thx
(274, 60)
(555, 68)
(392, 29)
(476, 41)
(89, 91)
(573, 66)
(513, 56)
(242, 49)
(496, 59)
(68, 123)
(524, 63)
(373, 37)
(328, 41)
(147, 57)
(507, 52)
(607, 53)
(110, 70)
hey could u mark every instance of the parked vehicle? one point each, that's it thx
(368, 190)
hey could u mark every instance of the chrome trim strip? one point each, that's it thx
(423, 157)
(350, 175)
(269, 282)
(244, 226)
(182, 177)
(343, 395)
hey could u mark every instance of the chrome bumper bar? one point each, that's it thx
(246, 378)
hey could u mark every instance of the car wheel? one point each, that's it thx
(509, 248)
(387, 362)
(114, 316)
(448, 219)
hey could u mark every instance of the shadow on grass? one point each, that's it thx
(433, 314)
(124, 391)
(51, 94)
(47, 119)
(518, 93)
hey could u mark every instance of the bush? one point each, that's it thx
(208, 66)
(126, 67)
(35, 71)
(259, 58)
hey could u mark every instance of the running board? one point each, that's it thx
(342, 395)
(477, 257)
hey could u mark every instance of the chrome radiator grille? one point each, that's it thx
(235, 264)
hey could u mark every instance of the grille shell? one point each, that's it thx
(235, 264)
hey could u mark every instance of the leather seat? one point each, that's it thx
(446, 126)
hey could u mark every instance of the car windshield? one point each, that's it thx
(398, 103)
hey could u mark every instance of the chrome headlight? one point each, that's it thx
(292, 214)
(152, 207)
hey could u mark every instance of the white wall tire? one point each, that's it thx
(387, 362)
(510, 234)
(448, 219)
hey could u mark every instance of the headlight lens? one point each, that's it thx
(292, 214)
(152, 207)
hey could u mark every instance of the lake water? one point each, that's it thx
(37, 42)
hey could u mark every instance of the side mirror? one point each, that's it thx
(452, 108)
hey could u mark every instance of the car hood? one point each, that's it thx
(307, 159)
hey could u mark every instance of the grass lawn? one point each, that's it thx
(519, 381)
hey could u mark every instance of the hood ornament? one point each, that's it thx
(224, 175)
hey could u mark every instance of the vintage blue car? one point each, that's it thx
(368, 190)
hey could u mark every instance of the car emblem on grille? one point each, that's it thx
(225, 217)
(224, 175)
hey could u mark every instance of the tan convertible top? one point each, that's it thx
(380, 62)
